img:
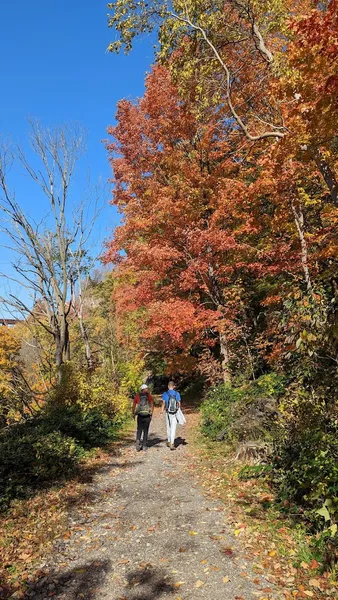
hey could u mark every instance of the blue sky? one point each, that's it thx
(55, 68)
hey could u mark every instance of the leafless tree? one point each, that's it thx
(49, 255)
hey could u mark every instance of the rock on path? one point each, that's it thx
(145, 531)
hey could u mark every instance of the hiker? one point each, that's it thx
(143, 408)
(171, 404)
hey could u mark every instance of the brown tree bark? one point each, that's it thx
(225, 358)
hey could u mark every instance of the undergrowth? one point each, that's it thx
(272, 532)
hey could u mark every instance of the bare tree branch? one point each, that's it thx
(275, 131)
(52, 253)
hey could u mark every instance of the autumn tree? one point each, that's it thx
(228, 51)
(9, 354)
(17, 399)
(189, 236)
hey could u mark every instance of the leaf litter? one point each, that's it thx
(70, 523)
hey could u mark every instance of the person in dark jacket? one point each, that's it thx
(143, 408)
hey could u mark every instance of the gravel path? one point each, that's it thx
(145, 531)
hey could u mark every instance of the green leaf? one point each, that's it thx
(323, 512)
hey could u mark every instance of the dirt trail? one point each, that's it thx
(145, 531)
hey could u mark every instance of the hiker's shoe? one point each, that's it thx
(144, 447)
(138, 446)
(172, 447)
(168, 444)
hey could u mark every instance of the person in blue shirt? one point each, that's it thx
(171, 404)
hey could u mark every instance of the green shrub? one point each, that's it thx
(83, 413)
(31, 457)
(254, 472)
(218, 408)
(49, 447)
(90, 429)
(305, 463)
(245, 412)
(305, 471)
(55, 455)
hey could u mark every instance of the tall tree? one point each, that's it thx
(189, 236)
(226, 50)
(49, 254)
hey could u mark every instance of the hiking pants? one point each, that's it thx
(143, 423)
(171, 422)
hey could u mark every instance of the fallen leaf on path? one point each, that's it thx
(199, 583)
(226, 579)
(227, 551)
(193, 532)
(179, 583)
(314, 583)
(26, 557)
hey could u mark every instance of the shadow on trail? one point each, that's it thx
(148, 583)
(82, 582)
(155, 441)
(180, 442)
(85, 582)
(88, 497)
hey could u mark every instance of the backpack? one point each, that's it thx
(143, 408)
(172, 407)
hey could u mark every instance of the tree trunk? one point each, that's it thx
(299, 220)
(225, 358)
(62, 346)
(58, 356)
(85, 338)
(328, 176)
(67, 343)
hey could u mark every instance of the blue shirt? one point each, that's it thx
(165, 396)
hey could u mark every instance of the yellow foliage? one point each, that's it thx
(9, 356)
(91, 390)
